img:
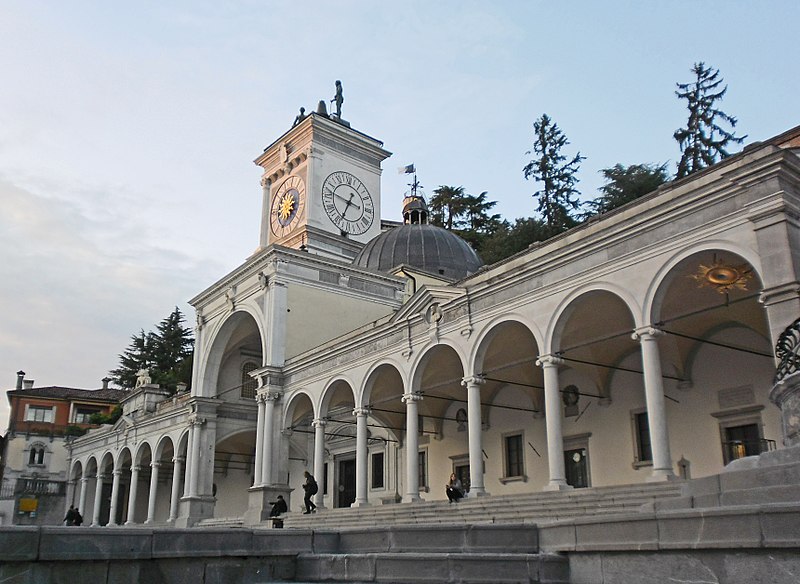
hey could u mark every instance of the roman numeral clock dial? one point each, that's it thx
(287, 206)
(348, 203)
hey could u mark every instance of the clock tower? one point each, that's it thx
(321, 187)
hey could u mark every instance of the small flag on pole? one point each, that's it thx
(407, 169)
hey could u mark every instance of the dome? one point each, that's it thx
(432, 249)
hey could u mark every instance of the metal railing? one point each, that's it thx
(29, 486)
(787, 351)
(736, 449)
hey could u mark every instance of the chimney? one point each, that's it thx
(105, 381)
(27, 383)
(20, 377)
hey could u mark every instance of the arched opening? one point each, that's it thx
(339, 472)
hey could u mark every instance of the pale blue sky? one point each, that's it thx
(128, 130)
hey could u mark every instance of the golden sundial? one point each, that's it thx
(286, 206)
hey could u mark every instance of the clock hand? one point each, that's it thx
(348, 201)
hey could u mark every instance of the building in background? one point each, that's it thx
(42, 423)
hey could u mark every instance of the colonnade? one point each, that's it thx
(550, 363)
(153, 491)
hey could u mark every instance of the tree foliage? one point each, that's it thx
(558, 197)
(703, 139)
(467, 215)
(509, 239)
(166, 352)
(627, 183)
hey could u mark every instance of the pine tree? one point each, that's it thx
(558, 196)
(703, 139)
(627, 183)
(446, 206)
(138, 355)
(167, 353)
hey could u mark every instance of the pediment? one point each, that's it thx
(426, 297)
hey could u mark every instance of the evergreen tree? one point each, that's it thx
(510, 239)
(627, 183)
(558, 196)
(703, 139)
(446, 206)
(167, 353)
(138, 355)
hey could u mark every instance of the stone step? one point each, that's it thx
(439, 568)
(526, 508)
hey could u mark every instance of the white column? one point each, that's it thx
(69, 500)
(269, 415)
(98, 493)
(177, 469)
(656, 408)
(112, 514)
(553, 415)
(194, 456)
(151, 499)
(257, 472)
(475, 427)
(361, 457)
(132, 494)
(412, 447)
(319, 460)
(82, 498)
(188, 469)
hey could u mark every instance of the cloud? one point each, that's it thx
(78, 279)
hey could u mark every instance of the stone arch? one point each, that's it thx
(591, 331)
(383, 390)
(241, 330)
(505, 356)
(297, 399)
(161, 447)
(658, 288)
(334, 393)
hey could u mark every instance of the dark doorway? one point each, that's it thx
(345, 481)
(741, 441)
(576, 468)
(462, 474)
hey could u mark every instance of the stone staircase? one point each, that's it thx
(469, 554)
(525, 508)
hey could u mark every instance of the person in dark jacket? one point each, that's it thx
(310, 487)
(454, 489)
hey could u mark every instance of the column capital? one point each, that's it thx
(100, 476)
(117, 472)
(363, 411)
(85, 479)
(645, 333)
(136, 468)
(155, 464)
(549, 360)
(196, 420)
(319, 423)
(411, 397)
(473, 380)
(180, 459)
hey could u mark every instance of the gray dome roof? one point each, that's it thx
(427, 247)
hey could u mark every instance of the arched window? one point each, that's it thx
(36, 455)
(248, 383)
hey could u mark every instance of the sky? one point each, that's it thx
(128, 130)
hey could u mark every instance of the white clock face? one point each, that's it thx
(348, 203)
(287, 206)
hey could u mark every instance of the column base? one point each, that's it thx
(662, 475)
(412, 499)
(557, 486)
(193, 509)
(260, 500)
(475, 493)
(361, 504)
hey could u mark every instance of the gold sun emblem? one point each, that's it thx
(286, 206)
(723, 277)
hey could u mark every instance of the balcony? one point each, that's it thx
(736, 449)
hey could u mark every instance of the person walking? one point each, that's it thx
(69, 519)
(310, 487)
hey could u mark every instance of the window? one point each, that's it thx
(513, 455)
(39, 414)
(423, 469)
(82, 414)
(36, 455)
(249, 384)
(377, 470)
(643, 451)
(742, 432)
